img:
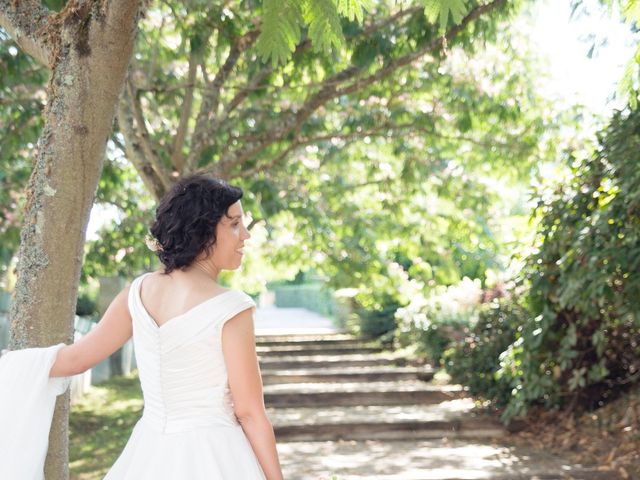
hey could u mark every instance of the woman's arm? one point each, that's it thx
(113, 331)
(245, 383)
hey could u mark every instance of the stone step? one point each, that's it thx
(318, 344)
(397, 430)
(346, 374)
(449, 410)
(337, 339)
(288, 350)
(373, 393)
(333, 361)
(346, 387)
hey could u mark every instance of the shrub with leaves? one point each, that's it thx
(433, 322)
(475, 361)
(581, 346)
(375, 304)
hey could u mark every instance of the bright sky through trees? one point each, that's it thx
(565, 41)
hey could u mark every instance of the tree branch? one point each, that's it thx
(177, 157)
(306, 44)
(382, 131)
(254, 82)
(330, 90)
(133, 149)
(239, 97)
(374, 27)
(143, 133)
(435, 45)
(211, 98)
(25, 22)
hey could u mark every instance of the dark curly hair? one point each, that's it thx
(186, 218)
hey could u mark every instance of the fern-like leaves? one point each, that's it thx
(324, 24)
(353, 9)
(281, 26)
(441, 9)
(283, 20)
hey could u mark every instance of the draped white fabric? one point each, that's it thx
(27, 400)
(188, 429)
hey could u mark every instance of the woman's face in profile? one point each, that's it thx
(231, 234)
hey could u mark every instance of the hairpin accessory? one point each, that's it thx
(153, 244)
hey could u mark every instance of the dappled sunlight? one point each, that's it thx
(447, 410)
(424, 460)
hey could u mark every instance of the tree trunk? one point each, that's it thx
(88, 47)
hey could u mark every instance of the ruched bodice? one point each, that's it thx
(181, 365)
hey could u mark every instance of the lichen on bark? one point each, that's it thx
(32, 257)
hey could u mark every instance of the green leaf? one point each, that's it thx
(577, 379)
(281, 27)
(631, 10)
(324, 24)
(434, 9)
(353, 8)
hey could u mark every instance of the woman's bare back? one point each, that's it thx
(166, 297)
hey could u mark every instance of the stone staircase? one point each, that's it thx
(336, 387)
(342, 405)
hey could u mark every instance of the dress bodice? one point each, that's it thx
(181, 365)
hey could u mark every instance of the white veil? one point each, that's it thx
(27, 401)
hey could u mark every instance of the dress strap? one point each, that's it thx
(237, 303)
(135, 309)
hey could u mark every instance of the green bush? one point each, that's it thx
(581, 345)
(573, 338)
(377, 323)
(475, 360)
(436, 339)
(433, 323)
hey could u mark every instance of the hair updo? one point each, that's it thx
(187, 216)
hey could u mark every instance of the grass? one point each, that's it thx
(100, 424)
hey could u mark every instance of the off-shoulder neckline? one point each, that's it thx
(184, 314)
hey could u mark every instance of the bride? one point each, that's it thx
(204, 415)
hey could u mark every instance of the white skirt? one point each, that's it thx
(217, 452)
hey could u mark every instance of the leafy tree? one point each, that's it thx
(171, 125)
(457, 118)
(295, 133)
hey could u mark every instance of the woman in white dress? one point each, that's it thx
(204, 416)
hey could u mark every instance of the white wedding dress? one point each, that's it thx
(187, 431)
